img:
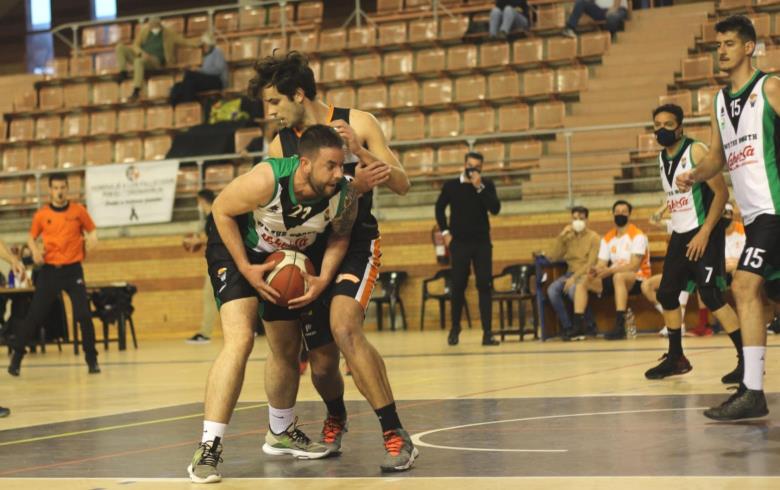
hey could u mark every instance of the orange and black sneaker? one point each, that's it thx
(400, 453)
(333, 430)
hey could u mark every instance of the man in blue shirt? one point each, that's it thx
(212, 75)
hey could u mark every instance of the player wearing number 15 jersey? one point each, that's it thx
(746, 140)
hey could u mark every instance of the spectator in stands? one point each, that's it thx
(154, 47)
(509, 15)
(624, 262)
(63, 225)
(193, 244)
(614, 12)
(212, 75)
(579, 247)
(470, 198)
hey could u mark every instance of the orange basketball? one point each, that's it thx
(286, 276)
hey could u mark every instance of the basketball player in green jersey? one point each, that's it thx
(746, 139)
(287, 86)
(281, 204)
(695, 256)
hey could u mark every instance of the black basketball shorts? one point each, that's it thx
(681, 274)
(761, 254)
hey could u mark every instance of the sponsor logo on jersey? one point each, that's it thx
(280, 244)
(677, 205)
(738, 159)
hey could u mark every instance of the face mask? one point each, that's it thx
(666, 137)
(621, 220)
(727, 222)
(27, 260)
(578, 225)
(155, 30)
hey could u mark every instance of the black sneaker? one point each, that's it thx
(744, 404)
(669, 366)
(198, 339)
(735, 376)
(773, 328)
(452, 338)
(4, 412)
(122, 76)
(16, 363)
(489, 340)
(94, 367)
(617, 333)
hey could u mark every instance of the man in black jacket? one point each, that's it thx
(470, 198)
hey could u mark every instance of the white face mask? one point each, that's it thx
(578, 225)
(155, 30)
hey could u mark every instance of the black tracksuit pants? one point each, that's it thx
(463, 254)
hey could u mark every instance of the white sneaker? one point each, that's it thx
(664, 332)
(569, 33)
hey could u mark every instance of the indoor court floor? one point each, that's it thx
(523, 415)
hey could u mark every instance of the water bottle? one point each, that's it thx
(11, 279)
(630, 324)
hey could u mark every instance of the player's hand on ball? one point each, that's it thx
(685, 181)
(697, 245)
(369, 176)
(255, 275)
(315, 286)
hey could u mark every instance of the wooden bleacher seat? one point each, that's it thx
(240, 78)
(337, 69)
(561, 49)
(514, 118)
(30, 190)
(48, 127)
(11, 192)
(697, 68)
(594, 44)
(50, 98)
(503, 86)
(159, 117)
(91, 36)
(187, 180)
(432, 60)
(176, 23)
(444, 124)
(571, 80)
(392, 33)
(21, 129)
(42, 157)
(418, 162)
(437, 92)
(310, 12)
(538, 83)
(493, 153)
(251, 18)
(682, 98)
(197, 25)
(462, 58)
(226, 21)
(305, 42)
(159, 87)
(187, 114)
(102, 122)
(75, 182)
(705, 99)
(701, 133)
(98, 152)
(548, 115)
(647, 146)
(333, 40)
(156, 147)
(372, 97)
(409, 126)
(524, 154)
(423, 31)
(244, 48)
(367, 67)
(492, 55)
(449, 159)
(119, 33)
(386, 6)
(271, 43)
(76, 94)
(127, 150)
(528, 52)
(479, 120)
(732, 5)
(550, 18)
(770, 61)
(275, 15)
(398, 64)
(471, 88)
(75, 124)
(131, 119)
(24, 101)
(316, 67)
(404, 94)
(243, 136)
(341, 97)
(81, 66)
(361, 37)
(216, 177)
(453, 28)
(57, 68)
(386, 123)
(105, 92)
(70, 155)
(15, 158)
(188, 57)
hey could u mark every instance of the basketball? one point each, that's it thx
(286, 277)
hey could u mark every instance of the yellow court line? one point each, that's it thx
(116, 427)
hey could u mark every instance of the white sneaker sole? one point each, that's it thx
(210, 479)
(408, 465)
(296, 453)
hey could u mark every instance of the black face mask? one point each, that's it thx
(27, 260)
(666, 137)
(621, 220)
(727, 222)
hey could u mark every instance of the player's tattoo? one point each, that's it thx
(342, 224)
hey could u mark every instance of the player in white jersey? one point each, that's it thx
(695, 254)
(745, 136)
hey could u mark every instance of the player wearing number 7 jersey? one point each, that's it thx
(746, 119)
(695, 256)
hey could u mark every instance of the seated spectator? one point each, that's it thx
(505, 17)
(579, 247)
(624, 262)
(614, 12)
(154, 47)
(212, 75)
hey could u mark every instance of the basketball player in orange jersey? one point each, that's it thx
(282, 203)
(287, 86)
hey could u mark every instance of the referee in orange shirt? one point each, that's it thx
(63, 225)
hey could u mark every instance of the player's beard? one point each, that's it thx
(321, 189)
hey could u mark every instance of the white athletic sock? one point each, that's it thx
(212, 430)
(754, 367)
(659, 308)
(280, 418)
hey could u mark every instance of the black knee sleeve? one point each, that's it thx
(670, 300)
(712, 298)
(772, 289)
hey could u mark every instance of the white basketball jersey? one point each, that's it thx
(748, 126)
(688, 209)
